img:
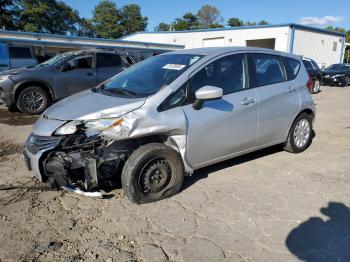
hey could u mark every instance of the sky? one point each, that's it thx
(318, 13)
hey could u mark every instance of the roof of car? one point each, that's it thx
(226, 49)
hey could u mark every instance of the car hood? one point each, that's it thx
(16, 71)
(88, 105)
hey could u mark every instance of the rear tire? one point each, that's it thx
(300, 134)
(152, 172)
(32, 100)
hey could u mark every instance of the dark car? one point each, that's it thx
(337, 75)
(32, 89)
(315, 74)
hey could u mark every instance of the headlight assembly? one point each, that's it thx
(97, 126)
(339, 75)
(4, 78)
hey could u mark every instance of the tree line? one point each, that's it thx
(208, 16)
(108, 21)
(56, 17)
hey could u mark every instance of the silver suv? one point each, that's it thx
(172, 114)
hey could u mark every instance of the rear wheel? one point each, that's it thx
(153, 172)
(300, 134)
(316, 87)
(32, 100)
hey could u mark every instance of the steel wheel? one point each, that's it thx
(302, 133)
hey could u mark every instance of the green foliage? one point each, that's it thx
(248, 23)
(340, 30)
(47, 16)
(86, 28)
(209, 17)
(9, 14)
(106, 19)
(234, 22)
(263, 22)
(188, 21)
(162, 27)
(132, 20)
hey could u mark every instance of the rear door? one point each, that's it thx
(108, 65)
(81, 76)
(279, 99)
(226, 126)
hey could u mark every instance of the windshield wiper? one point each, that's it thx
(121, 91)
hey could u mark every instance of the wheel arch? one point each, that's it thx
(33, 82)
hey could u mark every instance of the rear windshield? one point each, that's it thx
(147, 77)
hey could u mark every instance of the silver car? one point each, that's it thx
(170, 115)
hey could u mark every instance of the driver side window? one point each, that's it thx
(81, 62)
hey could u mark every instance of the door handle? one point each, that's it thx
(90, 74)
(291, 90)
(247, 101)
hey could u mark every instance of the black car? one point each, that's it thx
(32, 89)
(315, 74)
(337, 75)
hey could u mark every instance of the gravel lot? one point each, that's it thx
(266, 206)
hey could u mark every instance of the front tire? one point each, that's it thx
(300, 134)
(152, 172)
(32, 100)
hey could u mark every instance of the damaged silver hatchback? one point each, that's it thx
(169, 115)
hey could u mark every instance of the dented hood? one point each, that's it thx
(88, 105)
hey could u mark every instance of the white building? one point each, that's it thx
(325, 47)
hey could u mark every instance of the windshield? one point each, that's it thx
(147, 77)
(53, 60)
(336, 67)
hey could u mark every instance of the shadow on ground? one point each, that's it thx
(318, 240)
(204, 172)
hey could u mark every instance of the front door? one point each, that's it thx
(80, 76)
(227, 126)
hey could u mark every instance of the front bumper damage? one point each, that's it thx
(77, 163)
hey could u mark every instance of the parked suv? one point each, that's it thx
(315, 74)
(170, 115)
(32, 89)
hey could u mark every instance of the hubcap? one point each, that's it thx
(316, 86)
(155, 178)
(302, 133)
(33, 100)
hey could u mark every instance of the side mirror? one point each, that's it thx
(65, 67)
(206, 93)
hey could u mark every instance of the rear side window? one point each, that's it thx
(315, 65)
(293, 66)
(308, 64)
(268, 69)
(108, 60)
(228, 73)
(20, 52)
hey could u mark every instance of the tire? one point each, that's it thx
(316, 87)
(294, 143)
(32, 100)
(152, 172)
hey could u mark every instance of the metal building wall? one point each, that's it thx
(318, 46)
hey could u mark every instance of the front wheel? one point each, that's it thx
(300, 134)
(152, 172)
(32, 100)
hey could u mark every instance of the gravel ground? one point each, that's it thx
(266, 206)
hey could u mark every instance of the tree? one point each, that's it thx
(106, 19)
(248, 23)
(131, 19)
(263, 22)
(9, 14)
(86, 28)
(162, 27)
(234, 22)
(209, 17)
(188, 21)
(340, 30)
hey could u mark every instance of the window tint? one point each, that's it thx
(294, 66)
(108, 60)
(308, 64)
(228, 73)
(20, 52)
(268, 69)
(176, 99)
(315, 65)
(81, 62)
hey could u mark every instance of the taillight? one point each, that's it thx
(310, 84)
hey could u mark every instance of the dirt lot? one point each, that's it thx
(266, 206)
